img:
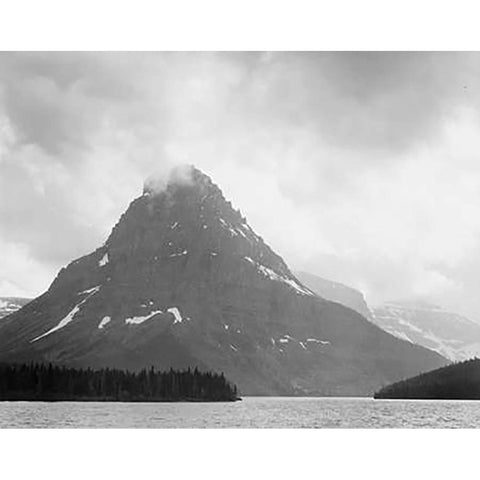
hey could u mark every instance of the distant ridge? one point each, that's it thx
(9, 305)
(452, 335)
(336, 292)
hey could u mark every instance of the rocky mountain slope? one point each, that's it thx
(336, 292)
(183, 280)
(9, 305)
(453, 336)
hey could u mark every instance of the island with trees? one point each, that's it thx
(40, 382)
(457, 381)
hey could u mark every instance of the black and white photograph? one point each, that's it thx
(239, 239)
(283, 239)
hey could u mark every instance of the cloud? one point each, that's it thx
(361, 167)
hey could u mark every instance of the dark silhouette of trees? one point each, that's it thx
(55, 383)
(458, 381)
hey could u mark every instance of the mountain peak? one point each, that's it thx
(185, 175)
(184, 281)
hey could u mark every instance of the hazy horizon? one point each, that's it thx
(357, 167)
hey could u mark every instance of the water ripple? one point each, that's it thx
(252, 412)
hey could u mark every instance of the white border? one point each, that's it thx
(246, 25)
(239, 25)
(239, 454)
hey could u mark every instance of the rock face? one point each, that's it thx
(452, 335)
(9, 305)
(184, 281)
(336, 292)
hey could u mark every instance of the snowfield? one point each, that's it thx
(272, 275)
(103, 261)
(176, 313)
(141, 319)
(71, 315)
(103, 322)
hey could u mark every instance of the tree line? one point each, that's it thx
(455, 381)
(40, 382)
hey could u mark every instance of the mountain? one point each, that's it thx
(460, 381)
(453, 336)
(336, 292)
(9, 305)
(183, 280)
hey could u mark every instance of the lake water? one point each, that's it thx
(252, 412)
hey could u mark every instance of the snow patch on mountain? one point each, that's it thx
(403, 336)
(176, 314)
(103, 261)
(232, 230)
(409, 325)
(304, 344)
(452, 335)
(241, 233)
(70, 316)
(316, 340)
(272, 275)
(103, 322)
(268, 272)
(181, 254)
(90, 290)
(143, 318)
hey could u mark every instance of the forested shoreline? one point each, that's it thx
(458, 381)
(40, 382)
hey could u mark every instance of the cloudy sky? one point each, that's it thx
(360, 167)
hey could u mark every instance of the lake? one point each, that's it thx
(252, 412)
